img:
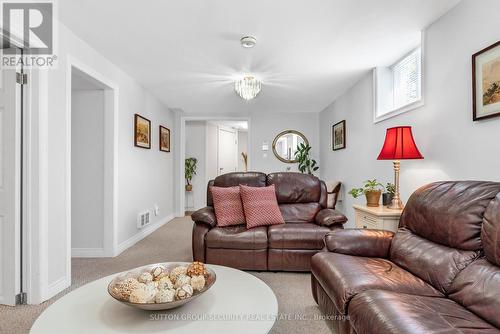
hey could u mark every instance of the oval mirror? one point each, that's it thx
(285, 145)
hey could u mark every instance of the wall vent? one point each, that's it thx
(143, 219)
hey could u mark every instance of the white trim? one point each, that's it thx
(88, 252)
(182, 151)
(142, 234)
(111, 157)
(56, 287)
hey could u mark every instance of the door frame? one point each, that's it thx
(111, 98)
(181, 152)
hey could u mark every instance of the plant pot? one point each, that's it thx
(387, 198)
(373, 198)
(189, 187)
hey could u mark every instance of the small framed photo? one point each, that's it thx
(338, 136)
(486, 83)
(142, 132)
(164, 139)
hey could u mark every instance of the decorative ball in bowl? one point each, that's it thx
(162, 286)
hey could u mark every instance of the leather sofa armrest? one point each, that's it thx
(205, 215)
(329, 217)
(360, 242)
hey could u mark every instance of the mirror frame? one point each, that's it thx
(298, 133)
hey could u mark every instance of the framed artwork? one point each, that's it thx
(338, 136)
(164, 139)
(486, 82)
(142, 132)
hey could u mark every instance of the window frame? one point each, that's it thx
(378, 114)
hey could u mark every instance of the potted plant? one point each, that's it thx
(189, 172)
(306, 164)
(390, 189)
(371, 189)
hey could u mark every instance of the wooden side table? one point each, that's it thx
(377, 218)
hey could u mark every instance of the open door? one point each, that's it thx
(10, 186)
(227, 151)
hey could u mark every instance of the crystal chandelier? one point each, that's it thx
(248, 87)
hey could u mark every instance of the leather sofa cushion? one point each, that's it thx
(237, 237)
(297, 236)
(477, 287)
(344, 276)
(490, 233)
(299, 212)
(252, 179)
(450, 213)
(388, 312)
(436, 264)
(243, 259)
(295, 187)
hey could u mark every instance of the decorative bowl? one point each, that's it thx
(134, 273)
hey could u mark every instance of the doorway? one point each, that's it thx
(93, 110)
(219, 147)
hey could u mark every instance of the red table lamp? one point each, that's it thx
(398, 145)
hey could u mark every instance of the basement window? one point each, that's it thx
(398, 88)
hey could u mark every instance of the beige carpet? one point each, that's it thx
(172, 242)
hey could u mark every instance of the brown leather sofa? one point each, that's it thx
(440, 273)
(302, 200)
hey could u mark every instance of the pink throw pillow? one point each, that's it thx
(227, 205)
(261, 206)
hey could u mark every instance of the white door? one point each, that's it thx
(227, 151)
(10, 176)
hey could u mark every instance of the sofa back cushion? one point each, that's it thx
(440, 230)
(450, 213)
(252, 179)
(436, 264)
(300, 212)
(260, 206)
(295, 187)
(228, 206)
(477, 287)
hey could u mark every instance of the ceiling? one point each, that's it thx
(308, 53)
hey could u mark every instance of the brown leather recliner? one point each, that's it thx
(302, 200)
(439, 273)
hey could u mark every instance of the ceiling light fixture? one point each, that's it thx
(248, 87)
(248, 42)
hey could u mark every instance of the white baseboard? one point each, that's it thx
(87, 252)
(56, 287)
(142, 234)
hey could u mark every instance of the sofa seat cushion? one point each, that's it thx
(297, 236)
(344, 276)
(237, 237)
(379, 311)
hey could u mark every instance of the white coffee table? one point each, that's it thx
(237, 303)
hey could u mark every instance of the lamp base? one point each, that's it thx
(395, 205)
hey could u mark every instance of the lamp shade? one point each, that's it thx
(399, 145)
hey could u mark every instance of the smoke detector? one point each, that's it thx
(248, 42)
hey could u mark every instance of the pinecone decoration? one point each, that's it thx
(196, 269)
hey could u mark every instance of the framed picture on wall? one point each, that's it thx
(338, 136)
(142, 132)
(164, 139)
(486, 82)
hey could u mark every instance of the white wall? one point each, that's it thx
(212, 142)
(195, 148)
(87, 169)
(242, 148)
(145, 177)
(453, 145)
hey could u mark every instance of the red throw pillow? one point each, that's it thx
(227, 205)
(261, 206)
